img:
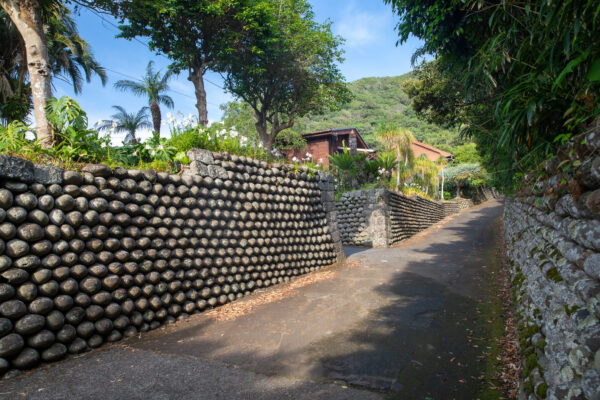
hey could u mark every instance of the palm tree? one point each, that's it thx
(399, 139)
(122, 121)
(152, 86)
(65, 56)
(69, 54)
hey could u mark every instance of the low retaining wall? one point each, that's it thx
(381, 218)
(553, 246)
(91, 257)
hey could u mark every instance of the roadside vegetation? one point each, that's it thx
(519, 78)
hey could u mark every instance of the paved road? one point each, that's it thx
(390, 323)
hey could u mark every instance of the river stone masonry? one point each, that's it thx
(381, 218)
(94, 256)
(552, 230)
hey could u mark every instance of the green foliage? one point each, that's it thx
(73, 140)
(513, 75)
(467, 154)
(130, 123)
(153, 86)
(12, 137)
(216, 138)
(283, 64)
(70, 59)
(375, 101)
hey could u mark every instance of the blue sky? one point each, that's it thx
(370, 50)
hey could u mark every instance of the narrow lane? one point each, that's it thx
(407, 322)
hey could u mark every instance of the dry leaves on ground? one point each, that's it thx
(237, 309)
(510, 357)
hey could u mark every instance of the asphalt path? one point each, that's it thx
(388, 323)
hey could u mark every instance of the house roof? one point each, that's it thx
(337, 131)
(431, 148)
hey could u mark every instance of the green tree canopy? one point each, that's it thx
(282, 64)
(514, 75)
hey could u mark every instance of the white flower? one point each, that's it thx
(190, 116)
(294, 159)
(169, 115)
(148, 147)
(152, 153)
(320, 161)
(134, 154)
(160, 147)
(233, 134)
(103, 144)
(308, 155)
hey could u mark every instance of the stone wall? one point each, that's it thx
(90, 257)
(553, 245)
(353, 211)
(381, 218)
(410, 215)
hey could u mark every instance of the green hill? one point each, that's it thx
(378, 100)
(375, 100)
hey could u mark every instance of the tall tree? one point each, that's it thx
(281, 63)
(70, 58)
(27, 17)
(184, 31)
(400, 140)
(518, 76)
(130, 123)
(152, 86)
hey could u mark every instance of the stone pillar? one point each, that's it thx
(352, 143)
(326, 184)
(379, 218)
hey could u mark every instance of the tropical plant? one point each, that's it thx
(400, 140)
(386, 163)
(130, 123)
(73, 140)
(152, 86)
(186, 31)
(39, 40)
(13, 137)
(514, 75)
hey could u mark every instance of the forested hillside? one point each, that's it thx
(375, 100)
(378, 100)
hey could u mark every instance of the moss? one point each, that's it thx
(542, 390)
(532, 361)
(541, 344)
(554, 275)
(528, 387)
(571, 310)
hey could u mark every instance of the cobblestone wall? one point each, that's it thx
(91, 257)
(381, 218)
(553, 241)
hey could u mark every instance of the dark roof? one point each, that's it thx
(338, 131)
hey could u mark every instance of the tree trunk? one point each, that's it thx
(25, 14)
(398, 174)
(196, 76)
(457, 190)
(155, 110)
(263, 134)
(442, 188)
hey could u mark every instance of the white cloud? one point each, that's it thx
(360, 28)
